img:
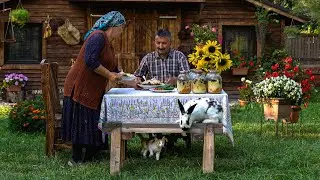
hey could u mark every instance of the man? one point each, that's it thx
(164, 63)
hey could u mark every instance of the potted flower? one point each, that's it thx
(19, 16)
(291, 31)
(245, 92)
(278, 94)
(241, 63)
(201, 34)
(13, 83)
(291, 68)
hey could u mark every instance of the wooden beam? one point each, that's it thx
(269, 8)
(178, 1)
(2, 44)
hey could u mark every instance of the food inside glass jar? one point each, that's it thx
(184, 87)
(214, 87)
(199, 86)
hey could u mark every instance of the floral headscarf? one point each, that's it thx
(111, 19)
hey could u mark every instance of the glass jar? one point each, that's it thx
(199, 83)
(214, 82)
(184, 83)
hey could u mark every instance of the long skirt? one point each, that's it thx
(80, 124)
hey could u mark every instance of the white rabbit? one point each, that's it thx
(201, 110)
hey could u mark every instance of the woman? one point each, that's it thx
(85, 85)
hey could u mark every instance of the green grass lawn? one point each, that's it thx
(254, 156)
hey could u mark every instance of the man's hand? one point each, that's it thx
(100, 125)
(172, 81)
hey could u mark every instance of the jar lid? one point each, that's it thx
(211, 70)
(181, 72)
(197, 70)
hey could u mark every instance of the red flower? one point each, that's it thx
(275, 67)
(312, 78)
(309, 72)
(296, 68)
(251, 63)
(287, 67)
(25, 124)
(243, 64)
(275, 74)
(288, 60)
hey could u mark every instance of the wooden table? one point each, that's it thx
(126, 111)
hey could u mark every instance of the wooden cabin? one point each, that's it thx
(233, 18)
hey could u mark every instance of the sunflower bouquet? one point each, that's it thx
(209, 57)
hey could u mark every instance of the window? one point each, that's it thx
(28, 46)
(240, 38)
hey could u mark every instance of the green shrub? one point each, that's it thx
(28, 116)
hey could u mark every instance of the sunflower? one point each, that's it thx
(223, 63)
(193, 58)
(199, 51)
(212, 47)
(202, 64)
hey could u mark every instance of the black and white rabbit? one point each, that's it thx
(201, 110)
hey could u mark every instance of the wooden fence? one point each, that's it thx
(306, 48)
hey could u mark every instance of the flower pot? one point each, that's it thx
(14, 93)
(276, 108)
(240, 71)
(294, 114)
(14, 88)
(243, 103)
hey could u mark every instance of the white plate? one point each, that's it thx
(161, 91)
(148, 86)
(128, 78)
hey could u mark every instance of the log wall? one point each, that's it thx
(138, 37)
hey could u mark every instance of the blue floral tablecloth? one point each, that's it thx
(128, 105)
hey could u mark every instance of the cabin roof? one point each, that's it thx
(278, 9)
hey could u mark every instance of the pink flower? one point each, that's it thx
(187, 27)
(214, 29)
(191, 34)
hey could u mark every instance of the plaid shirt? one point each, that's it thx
(152, 66)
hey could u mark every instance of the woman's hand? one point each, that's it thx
(132, 83)
(114, 76)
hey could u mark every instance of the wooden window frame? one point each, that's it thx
(230, 23)
(8, 66)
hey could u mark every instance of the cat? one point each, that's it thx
(153, 145)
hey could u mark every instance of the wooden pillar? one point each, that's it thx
(208, 150)
(115, 152)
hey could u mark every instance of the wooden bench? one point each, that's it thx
(120, 132)
(49, 84)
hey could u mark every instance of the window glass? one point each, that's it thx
(28, 46)
(240, 38)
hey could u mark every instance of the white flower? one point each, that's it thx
(278, 87)
(243, 79)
